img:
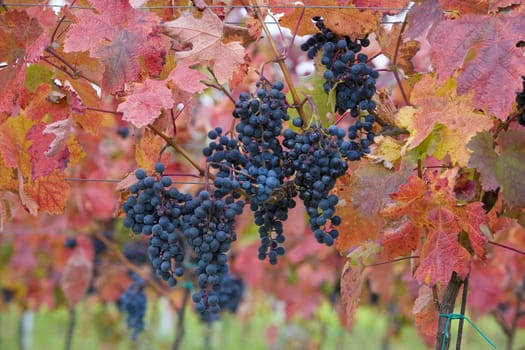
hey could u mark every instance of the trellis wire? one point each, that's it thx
(77, 179)
(377, 8)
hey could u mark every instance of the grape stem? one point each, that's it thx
(280, 60)
(179, 149)
(395, 71)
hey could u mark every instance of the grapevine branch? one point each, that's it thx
(180, 321)
(394, 66)
(446, 306)
(280, 60)
(179, 149)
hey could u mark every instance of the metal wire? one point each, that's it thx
(77, 179)
(376, 8)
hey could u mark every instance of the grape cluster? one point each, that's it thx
(155, 208)
(346, 69)
(520, 100)
(352, 78)
(134, 302)
(317, 156)
(209, 230)
(255, 162)
(230, 296)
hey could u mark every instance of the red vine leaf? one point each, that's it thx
(442, 254)
(351, 284)
(483, 47)
(200, 40)
(144, 104)
(43, 162)
(50, 192)
(428, 205)
(117, 34)
(401, 240)
(355, 227)
(76, 277)
(187, 79)
(426, 315)
(422, 17)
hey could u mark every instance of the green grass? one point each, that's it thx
(102, 327)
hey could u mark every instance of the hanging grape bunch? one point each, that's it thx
(352, 78)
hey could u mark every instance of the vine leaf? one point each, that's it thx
(200, 40)
(344, 21)
(23, 41)
(407, 50)
(484, 48)
(506, 168)
(428, 205)
(484, 159)
(145, 102)
(380, 4)
(77, 276)
(42, 162)
(441, 253)
(423, 17)
(118, 35)
(426, 315)
(13, 143)
(187, 79)
(351, 285)
(50, 192)
(438, 104)
(147, 150)
(400, 240)
(44, 102)
(355, 227)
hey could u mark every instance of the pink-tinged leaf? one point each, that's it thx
(203, 37)
(426, 315)
(144, 105)
(471, 218)
(44, 101)
(76, 277)
(383, 181)
(18, 32)
(351, 284)
(422, 17)
(388, 8)
(187, 79)
(118, 34)
(50, 192)
(442, 254)
(402, 240)
(483, 47)
(487, 294)
(29, 203)
(43, 162)
(120, 61)
(483, 159)
(61, 129)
